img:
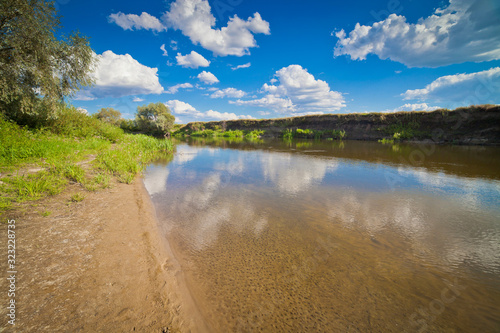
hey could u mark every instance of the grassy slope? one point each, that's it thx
(77, 149)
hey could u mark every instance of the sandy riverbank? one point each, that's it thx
(98, 265)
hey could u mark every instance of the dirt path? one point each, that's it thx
(98, 265)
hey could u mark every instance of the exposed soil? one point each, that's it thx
(474, 125)
(98, 265)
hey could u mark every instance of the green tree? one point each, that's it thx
(154, 118)
(109, 115)
(37, 70)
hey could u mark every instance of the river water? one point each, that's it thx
(329, 236)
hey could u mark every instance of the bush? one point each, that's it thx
(154, 119)
(71, 122)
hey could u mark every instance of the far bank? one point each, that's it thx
(474, 125)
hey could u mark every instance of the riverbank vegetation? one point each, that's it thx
(477, 124)
(46, 144)
(40, 162)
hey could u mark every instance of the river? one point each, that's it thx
(332, 236)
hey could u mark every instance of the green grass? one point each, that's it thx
(288, 134)
(77, 197)
(386, 141)
(64, 154)
(32, 186)
(400, 131)
(233, 134)
(217, 133)
(338, 134)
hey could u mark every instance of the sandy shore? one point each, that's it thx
(98, 265)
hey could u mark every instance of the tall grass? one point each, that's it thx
(288, 134)
(62, 151)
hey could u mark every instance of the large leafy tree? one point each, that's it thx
(109, 115)
(37, 69)
(154, 118)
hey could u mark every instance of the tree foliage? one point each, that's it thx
(109, 115)
(154, 118)
(37, 70)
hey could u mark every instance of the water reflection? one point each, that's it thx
(292, 174)
(244, 217)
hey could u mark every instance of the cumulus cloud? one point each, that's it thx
(474, 88)
(137, 99)
(121, 75)
(281, 105)
(132, 21)
(207, 78)
(225, 115)
(175, 89)
(228, 92)
(195, 20)
(414, 107)
(241, 66)
(165, 53)
(180, 107)
(183, 108)
(82, 110)
(297, 91)
(465, 30)
(192, 60)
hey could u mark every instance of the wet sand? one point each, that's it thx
(98, 265)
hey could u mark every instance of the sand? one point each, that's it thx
(99, 265)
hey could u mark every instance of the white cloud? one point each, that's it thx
(165, 53)
(297, 173)
(82, 110)
(312, 113)
(155, 180)
(463, 31)
(228, 92)
(207, 78)
(180, 107)
(183, 108)
(195, 20)
(416, 107)
(274, 102)
(192, 60)
(132, 21)
(173, 45)
(298, 91)
(264, 113)
(121, 75)
(175, 89)
(475, 88)
(224, 115)
(410, 107)
(241, 66)
(137, 99)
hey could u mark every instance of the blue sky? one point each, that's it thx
(237, 59)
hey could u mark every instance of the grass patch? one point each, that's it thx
(33, 186)
(77, 197)
(400, 131)
(61, 152)
(46, 213)
(386, 141)
(289, 134)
